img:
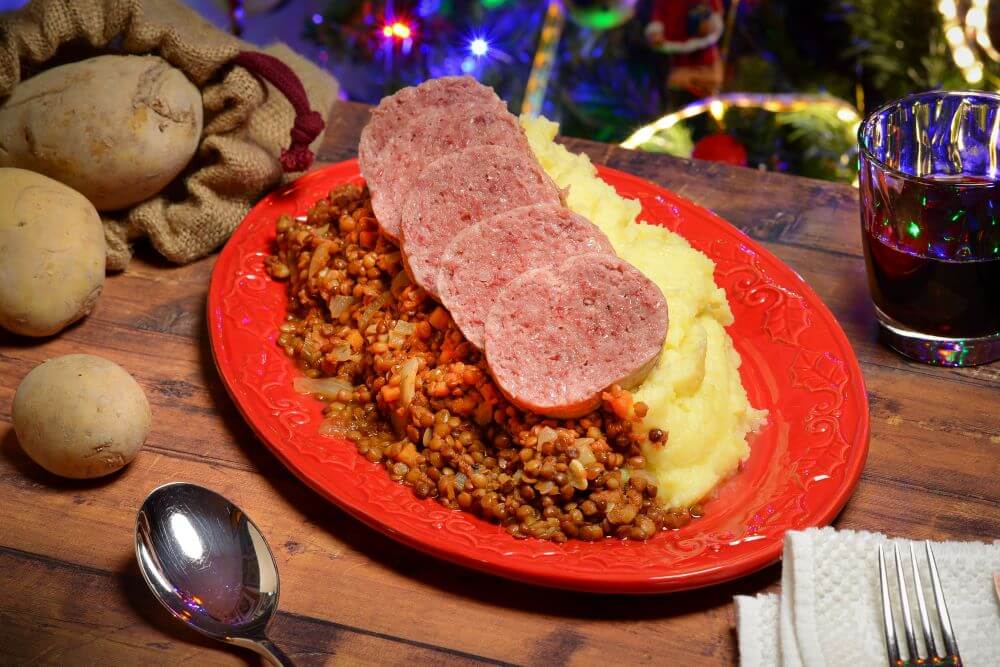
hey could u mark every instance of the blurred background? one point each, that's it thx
(769, 84)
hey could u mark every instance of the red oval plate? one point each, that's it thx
(797, 363)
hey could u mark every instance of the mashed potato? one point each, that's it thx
(694, 393)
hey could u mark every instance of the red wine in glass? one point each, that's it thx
(932, 238)
(923, 273)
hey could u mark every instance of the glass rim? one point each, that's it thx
(870, 116)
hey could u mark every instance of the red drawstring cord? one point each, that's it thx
(308, 123)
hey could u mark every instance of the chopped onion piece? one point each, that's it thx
(405, 328)
(546, 488)
(339, 304)
(546, 434)
(342, 352)
(408, 380)
(400, 332)
(331, 429)
(398, 422)
(585, 453)
(399, 281)
(577, 475)
(644, 474)
(328, 387)
(373, 308)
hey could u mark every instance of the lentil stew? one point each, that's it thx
(405, 386)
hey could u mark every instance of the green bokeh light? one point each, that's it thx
(601, 20)
(913, 229)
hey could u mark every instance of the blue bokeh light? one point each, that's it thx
(428, 7)
(479, 47)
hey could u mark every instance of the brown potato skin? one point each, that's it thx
(117, 129)
(80, 416)
(52, 254)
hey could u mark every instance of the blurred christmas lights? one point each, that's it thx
(397, 30)
(427, 8)
(716, 105)
(956, 33)
(479, 47)
(545, 56)
(976, 21)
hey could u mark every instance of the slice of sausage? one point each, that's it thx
(459, 190)
(483, 258)
(417, 125)
(557, 337)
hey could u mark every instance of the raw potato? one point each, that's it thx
(51, 254)
(115, 128)
(80, 416)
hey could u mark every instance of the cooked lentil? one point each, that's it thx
(422, 404)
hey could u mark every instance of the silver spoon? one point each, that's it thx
(209, 565)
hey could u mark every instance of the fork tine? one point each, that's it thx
(925, 623)
(904, 602)
(946, 630)
(891, 645)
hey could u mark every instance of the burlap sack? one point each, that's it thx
(247, 121)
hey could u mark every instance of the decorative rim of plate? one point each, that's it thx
(826, 379)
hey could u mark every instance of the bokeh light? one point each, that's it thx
(479, 47)
(397, 29)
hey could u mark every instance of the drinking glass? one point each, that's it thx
(930, 217)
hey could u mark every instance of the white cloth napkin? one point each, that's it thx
(829, 612)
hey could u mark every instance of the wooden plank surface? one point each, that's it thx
(70, 592)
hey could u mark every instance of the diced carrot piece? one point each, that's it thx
(423, 330)
(408, 455)
(390, 393)
(355, 339)
(620, 403)
(439, 318)
(488, 392)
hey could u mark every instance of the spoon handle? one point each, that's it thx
(266, 648)
(274, 654)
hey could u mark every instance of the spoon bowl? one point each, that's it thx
(209, 565)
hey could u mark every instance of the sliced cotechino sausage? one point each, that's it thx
(417, 125)
(459, 190)
(559, 336)
(483, 258)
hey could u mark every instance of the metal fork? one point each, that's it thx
(935, 657)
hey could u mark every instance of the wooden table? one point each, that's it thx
(70, 592)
